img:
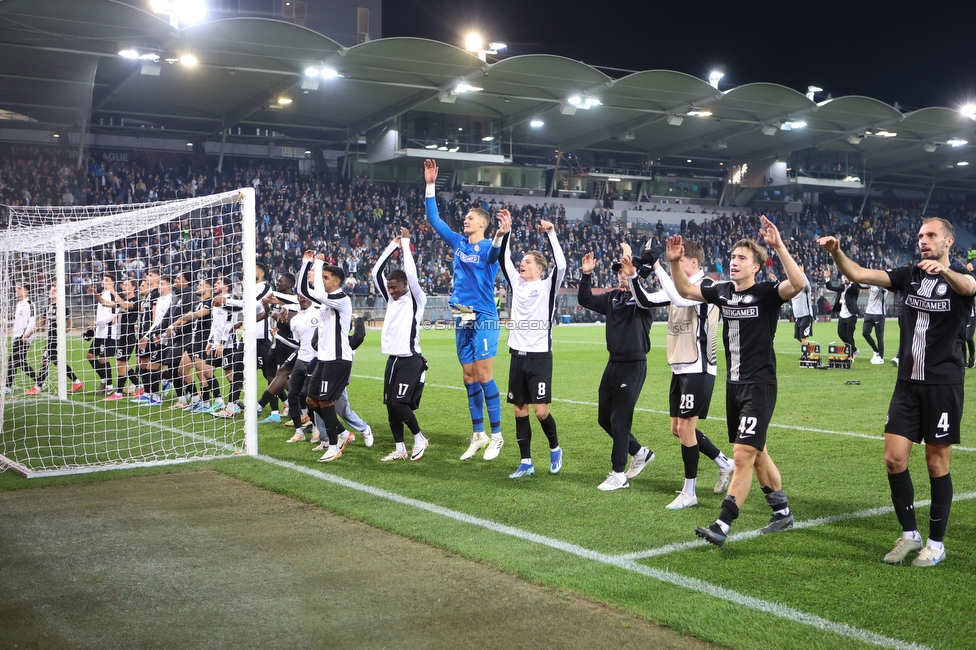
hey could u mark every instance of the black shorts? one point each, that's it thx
(228, 359)
(691, 395)
(124, 346)
(404, 380)
(291, 361)
(154, 352)
(328, 380)
(279, 355)
(299, 375)
(197, 350)
(530, 379)
(264, 352)
(102, 348)
(929, 412)
(803, 327)
(749, 409)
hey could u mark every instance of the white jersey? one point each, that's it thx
(401, 326)
(876, 301)
(25, 319)
(533, 303)
(802, 303)
(335, 314)
(262, 289)
(304, 324)
(692, 343)
(223, 322)
(106, 326)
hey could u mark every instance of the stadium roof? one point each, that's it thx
(60, 66)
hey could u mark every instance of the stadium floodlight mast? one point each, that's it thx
(474, 43)
(714, 77)
(181, 12)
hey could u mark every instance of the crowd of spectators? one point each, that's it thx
(351, 222)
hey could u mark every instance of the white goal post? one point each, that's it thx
(107, 270)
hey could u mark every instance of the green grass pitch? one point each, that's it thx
(623, 548)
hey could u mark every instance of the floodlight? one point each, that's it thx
(442, 148)
(714, 77)
(432, 145)
(312, 71)
(447, 96)
(689, 160)
(957, 142)
(769, 129)
(473, 42)
(969, 110)
(675, 120)
(931, 146)
(129, 54)
(188, 60)
(613, 179)
(855, 138)
(488, 138)
(284, 101)
(494, 48)
(567, 109)
(789, 126)
(464, 88)
(536, 123)
(962, 163)
(308, 152)
(885, 134)
(812, 91)
(592, 101)
(574, 100)
(697, 112)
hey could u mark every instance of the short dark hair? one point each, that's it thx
(758, 254)
(397, 276)
(262, 266)
(109, 276)
(289, 278)
(335, 271)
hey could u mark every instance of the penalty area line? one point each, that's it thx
(693, 584)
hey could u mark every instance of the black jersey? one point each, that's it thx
(51, 321)
(628, 323)
(200, 328)
(147, 304)
(750, 326)
(128, 318)
(933, 326)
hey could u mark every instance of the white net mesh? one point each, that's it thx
(73, 359)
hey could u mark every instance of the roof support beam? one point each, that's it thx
(256, 102)
(694, 143)
(812, 141)
(390, 112)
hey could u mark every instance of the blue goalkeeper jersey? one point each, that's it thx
(475, 267)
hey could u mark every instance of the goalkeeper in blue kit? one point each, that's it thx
(475, 316)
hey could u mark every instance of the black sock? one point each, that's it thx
(396, 424)
(730, 510)
(776, 499)
(523, 435)
(265, 398)
(941, 502)
(331, 420)
(689, 456)
(122, 380)
(549, 428)
(903, 499)
(411, 421)
(706, 446)
(71, 373)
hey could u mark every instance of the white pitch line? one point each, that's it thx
(693, 584)
(791, 427)
(810, 523)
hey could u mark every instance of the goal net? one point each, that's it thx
(129, 334)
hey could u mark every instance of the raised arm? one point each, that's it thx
(585, 296)
(410, 268)
(795, 280)
(558, 257)
(378, 274)
(303, 287)
(442, 229)
(682, 284)
(667, 285)
(358, 332)
(854, 271)
(503, 244)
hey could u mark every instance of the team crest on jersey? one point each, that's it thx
(942, 289)
(477, 248)
(747, 298)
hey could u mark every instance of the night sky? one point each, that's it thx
(920, 57)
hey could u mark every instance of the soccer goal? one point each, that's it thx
(94, 376)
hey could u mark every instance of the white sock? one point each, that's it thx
(497, 435)
(782, 513)
(526, 461)
(936, 545)
(272, 412)
(418, 438)
(724, 526)
(689, 487)
(723, 461)
(401, 447)
(913, 535)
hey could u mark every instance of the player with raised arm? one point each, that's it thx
(406, 368)
(750, 310)
(802, 306)
(628, 341)
(530, 339)
(331, 375)
(50, 358)
(25, 324)
(691, 349)
(927, 403)
(874, 321)
(475, 316)
(126, 305)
